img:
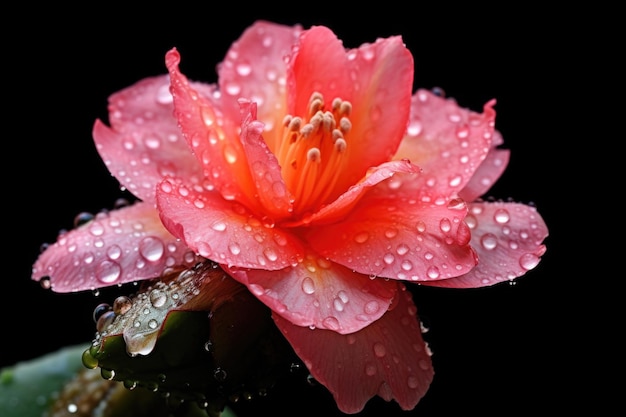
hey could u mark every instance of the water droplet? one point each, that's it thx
(414, 128)
(220, 375)
(489, 241)
(433, 272)
(100, 310)
(153, 324)
(219, 226)
(308, 286)
(204, 249)
(389, 258)
(158, 298)
(82, 218)
(370, 369)
(163, 95)
(232, 88)
(402, 249)
(108, 272)
(528, 261)
(151, 248)
(372, 307)
(243, 68)
(501, 216)
(361, 237)
(379, 350)
(234, 248)
(121, 305)
(407, 265)
(270, 254)
(445, 225)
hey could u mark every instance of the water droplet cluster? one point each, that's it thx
(139, 319)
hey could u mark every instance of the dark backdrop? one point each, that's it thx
(497, 351)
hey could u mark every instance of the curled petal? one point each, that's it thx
(388, 358)
(317, 293)
(271, 189)
(225, 231)
(213, 138)
(125, 245)
(144, 144)
(508, 238)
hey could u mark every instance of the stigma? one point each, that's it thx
(312, 151)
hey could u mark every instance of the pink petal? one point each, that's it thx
(318, 64)
(125, 245)
(376, 78)
(508, 238)
(254, 68)
(381, 104)
(395, 236)
(486, 175)
(317, 293)
(448, 142)
(224, 231)
(388, 358)
(144, 143)
(271, 190)
(213, 139)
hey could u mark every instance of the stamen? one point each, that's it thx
(346, 108)
(345, 125)
(328, 121)
(313, 151)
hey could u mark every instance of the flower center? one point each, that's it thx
(313, 150)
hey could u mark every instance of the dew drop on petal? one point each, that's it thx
(163, 95)
(151, 248)
(372, 307)
(361, 237)
(389, 258)
(108, 272)
(528, 261)
(370, 369)
(414, 128)
(379, 350)
(308, 286)
(270, 254)
(412, 382)
(402, 249)
(234, 248)
(243, 68)
(433, 272)
(219, 226)
(204, 249)
(501, 216)
(489, 241)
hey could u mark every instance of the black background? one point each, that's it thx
(504, 350)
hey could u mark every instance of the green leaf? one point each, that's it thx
(28, 388)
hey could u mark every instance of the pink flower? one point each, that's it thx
(316, 178)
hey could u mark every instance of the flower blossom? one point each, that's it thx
(317, 178)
